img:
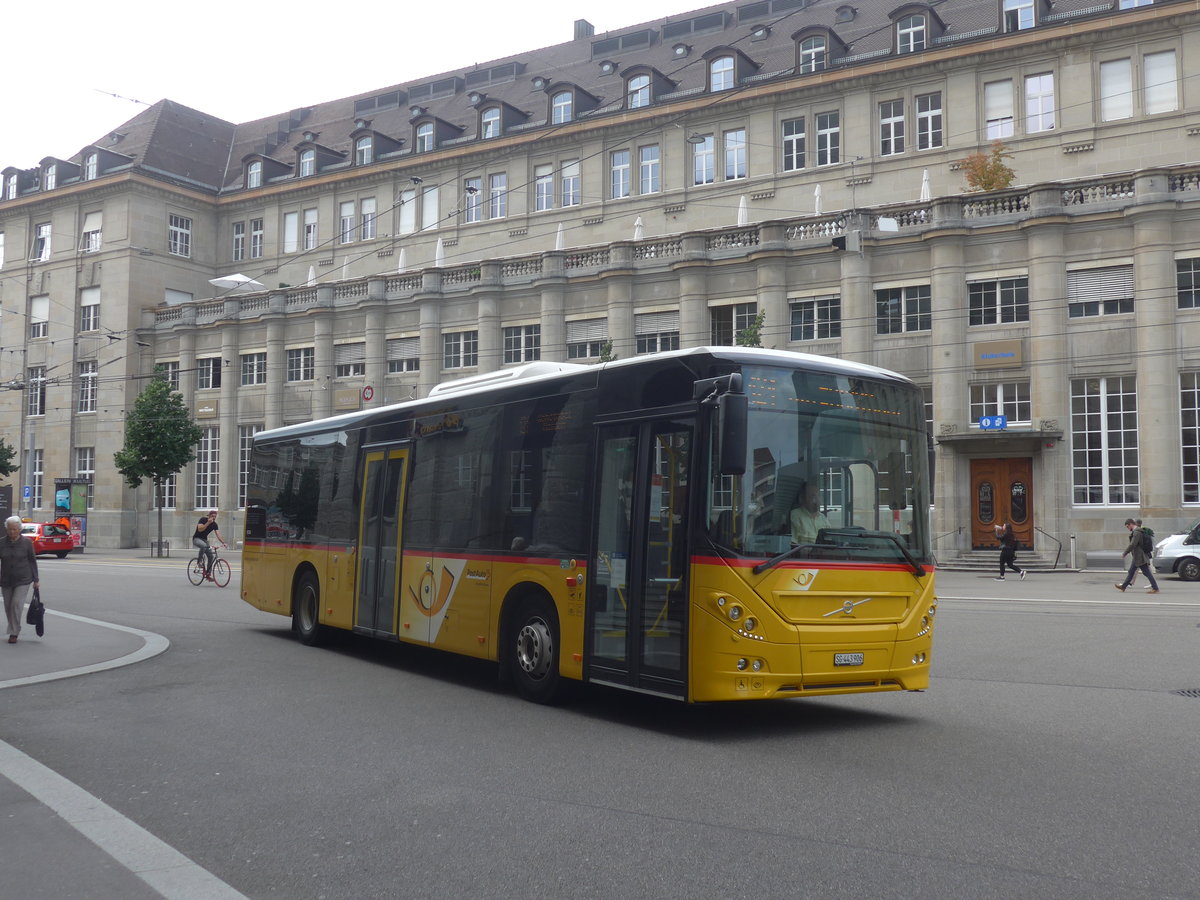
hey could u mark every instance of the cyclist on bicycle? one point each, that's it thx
(206, 526)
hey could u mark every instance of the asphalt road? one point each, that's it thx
(1052, 756)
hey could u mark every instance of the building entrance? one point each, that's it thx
(1001, 491)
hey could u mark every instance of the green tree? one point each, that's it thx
(988, 171)
(751, 335)
(160, 439)
(8, 456)
(606, 352)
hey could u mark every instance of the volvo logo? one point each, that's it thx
(846, 608)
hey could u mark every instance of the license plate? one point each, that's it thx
(847, 659)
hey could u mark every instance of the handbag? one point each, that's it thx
(35, 615)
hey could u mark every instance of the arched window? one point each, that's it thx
(90, 166)
(254, 174)
(562, 107)
(424, 137)
(489, 123)
(720, 74)
(364, 150)
(638, 92)
(813, 54)
(49, 177)
(308, 162)
(910, 34)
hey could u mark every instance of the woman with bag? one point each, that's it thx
(18, 573)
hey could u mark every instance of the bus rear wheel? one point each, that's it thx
(306, 611)
(533, 651)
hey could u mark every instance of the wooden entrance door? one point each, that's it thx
(1001, 491)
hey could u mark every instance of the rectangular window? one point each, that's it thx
(704, 161)
(1104, 440)
(793, 144)
(929, 120)
(291, 232)
(460, 349)
(310, 229)
(899, 310)
(35, 391)
(817, 318)
(655, 332)
(37, 473)
(1116, 90)
(498, 195)
(246, 435)
(170, 491)
(998, 302)
(543, 188)
(1010, 399)
(256, 238)
(92, 232)
(891, 127)
(85, 467)
(87, 387)
(179, 235)
(407, 223)
(649, 170)
(522, 343)
(366, 210)
(1187, 280)
(254, 368)
(829, 138)
(403, 355)
(350, 360)
(1018, 15)
(208, 467)
(1100, 292)
(239, 242)
(39, 316)
(1189, 409)
(727, 321)
(169, 371)
(735, 154)
(998, 109)
(1039, 102)
(301, 364)
(208, 373)
(346, 222)
(89, 309)
(473, 207)
(1161, 83)
(41, 242)
(430, 212)
(570, 185)
(620, 169)
(586, 338)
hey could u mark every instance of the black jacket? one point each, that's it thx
(18, 562)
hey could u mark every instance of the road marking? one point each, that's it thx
(1129, 602)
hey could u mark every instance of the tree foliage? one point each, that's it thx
(751, 335)
(160, 436)
(988, 171)
(8, 456)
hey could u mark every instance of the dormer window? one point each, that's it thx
(364, 150)
(910, 34)
(90, 166)
(308, 163)
(1018, 15)
(49, 177)
(10, 187)
(424, 142)
(637, 92)
(562, 107)
(720, 74)
(814, 54)
(254, 174)
(489, 123)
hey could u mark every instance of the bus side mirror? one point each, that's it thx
(731, 422)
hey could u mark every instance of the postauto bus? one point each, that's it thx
(639, 523)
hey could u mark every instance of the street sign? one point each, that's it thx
(26, 492)
(368, 392)
(993, 423)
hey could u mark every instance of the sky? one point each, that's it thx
(87, 68)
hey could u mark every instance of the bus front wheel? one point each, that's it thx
(533, 651)
(306, 610)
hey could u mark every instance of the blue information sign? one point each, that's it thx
(993, 423)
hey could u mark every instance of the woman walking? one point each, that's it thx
(18, 573)
(1008, 549)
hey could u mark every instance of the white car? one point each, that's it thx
(1180, 554)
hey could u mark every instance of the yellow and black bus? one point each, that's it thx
(720, 523)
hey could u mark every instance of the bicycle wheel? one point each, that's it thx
(221, 573)
(195, 571)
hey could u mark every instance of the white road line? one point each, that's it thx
(1134, 603)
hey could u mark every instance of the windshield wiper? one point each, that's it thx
(776, 560)
(917, 568)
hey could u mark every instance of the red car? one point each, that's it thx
(48, 537)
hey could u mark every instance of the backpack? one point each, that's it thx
(1147, 541)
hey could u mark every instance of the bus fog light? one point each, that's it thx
(757, 666)
(924, 621)
(750, 624)
(742, 665)
(721, 602)
(735, 612)
(918, 658)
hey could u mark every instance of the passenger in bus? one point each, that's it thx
(807, 519)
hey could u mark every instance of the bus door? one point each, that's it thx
(382, 505)
(637, 600)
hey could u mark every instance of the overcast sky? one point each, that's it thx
(245, 60)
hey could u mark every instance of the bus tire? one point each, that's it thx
(533, 650)
(306, 610)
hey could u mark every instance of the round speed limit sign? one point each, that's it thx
(368, 392)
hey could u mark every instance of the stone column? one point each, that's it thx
(376, 350)
(322, 404)
(771, 274)
(227, 467)
(951, 370)
(276, 372)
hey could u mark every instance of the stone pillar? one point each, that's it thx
(323, 365)
(950, 365)
(185, 481)
(621, 316)
(376, 350)
(431, 344)
(772, 300)
(276, 372)
(694, 327)
(227, 471)
(858, 307)
(554, 328)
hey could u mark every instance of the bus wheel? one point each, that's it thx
(533, 651)
(306, 610)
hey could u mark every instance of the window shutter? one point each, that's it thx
(344, 354)
(587, 330)
(403, 348)
(656, 323)
(1111, 283)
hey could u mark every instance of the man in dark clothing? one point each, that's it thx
(1008, 549)
(18, 574)
(206, 526)
(1139, 561)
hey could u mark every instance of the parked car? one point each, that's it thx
(1180, 553)
(48, 537)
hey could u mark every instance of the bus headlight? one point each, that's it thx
(741, 664)
(757, 665)
(918, 658)
(750, 624)
(735, 613)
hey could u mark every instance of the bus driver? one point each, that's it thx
(807, 519)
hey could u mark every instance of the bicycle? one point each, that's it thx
(220, 570)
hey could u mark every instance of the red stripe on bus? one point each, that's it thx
(805, 564)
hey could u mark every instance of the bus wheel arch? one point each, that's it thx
(306, 607)
(531, 644)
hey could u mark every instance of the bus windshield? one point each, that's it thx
(837, 468)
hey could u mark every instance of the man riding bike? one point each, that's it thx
(206, 526)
